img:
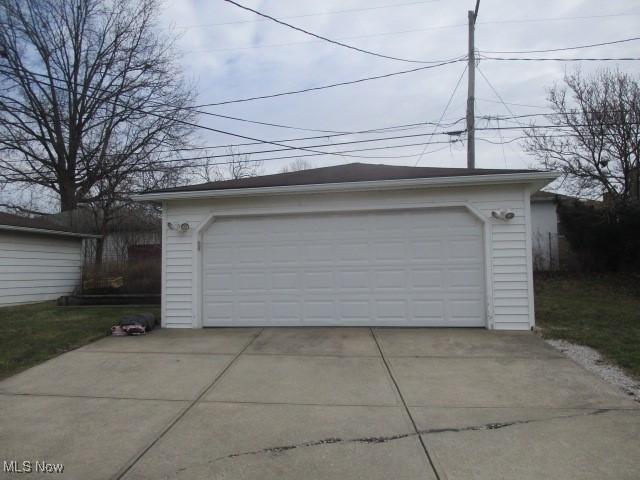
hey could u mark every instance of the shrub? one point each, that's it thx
(604, 239)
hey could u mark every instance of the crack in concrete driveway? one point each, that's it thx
(383, 439)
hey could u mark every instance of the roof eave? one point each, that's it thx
(537, 180)
(44, 231)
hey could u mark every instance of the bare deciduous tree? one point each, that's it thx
(597, 145)
(233, 166)
(296, 165)
(92, 101)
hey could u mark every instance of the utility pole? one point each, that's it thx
(471, 72)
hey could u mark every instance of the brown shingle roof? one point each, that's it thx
(352, 172)
(26, 222)
(39, 223)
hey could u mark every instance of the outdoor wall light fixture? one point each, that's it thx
(503, 214)
(179, 227)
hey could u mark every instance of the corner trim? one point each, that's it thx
(529, 246)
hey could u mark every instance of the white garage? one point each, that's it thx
(39, 260)
(354, 244)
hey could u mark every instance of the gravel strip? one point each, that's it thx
(593, 361)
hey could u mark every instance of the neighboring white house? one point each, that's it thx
(39, 260)
(357, 244)
(129, 227)
(544, 227)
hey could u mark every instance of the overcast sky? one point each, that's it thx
(230, 53)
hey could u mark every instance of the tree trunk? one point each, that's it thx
(100, 242)
(68, 199)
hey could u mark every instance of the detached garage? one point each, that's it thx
(39, 260)
(357, 244)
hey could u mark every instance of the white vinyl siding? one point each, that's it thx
(509, 306)
(37, 267)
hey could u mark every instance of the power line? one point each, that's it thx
(195, 108)
(191, 124)
(351, 142)
(361, 132)
(444, 112)
(305, 15)
(408, 126)
(446, 143)
(455, 133)
(307, 42)
(514, 104)
(183, 122)
(162, 161)
(498, 96)
(331, 85)
(415, 30)
(335, 42)
(287, 147)
(624, 40)
(256, 122)
(290, 127)
(542, 59)
(504, 156)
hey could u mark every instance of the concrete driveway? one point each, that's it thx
(343, 403)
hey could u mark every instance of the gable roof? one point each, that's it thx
(352, 172)
(9, 221)
(130, 219)
(544, 196)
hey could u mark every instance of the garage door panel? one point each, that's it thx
(390, 279)
(353, 252)
(284, 310)
(353, 280)
(319, 310)
(218, 282)
(249, 254)
(464, 278)
(247, 281)
(391, 309)
(467, 248)
(219, 310)
(464, 309)
(356, 310)
(386, 251)
(426, 249)
(318, 281)
(285, 280)
(318, 252)
(287, 253)
(428, 309)
(217, 255)
(392, 268)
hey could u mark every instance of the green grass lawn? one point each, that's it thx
(34, 333)
(600, 311)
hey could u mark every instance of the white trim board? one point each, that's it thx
(536, 179)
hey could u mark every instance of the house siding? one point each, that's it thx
(36, 267)
(544, 227)
(509, 262)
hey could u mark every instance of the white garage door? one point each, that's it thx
(394, 268)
